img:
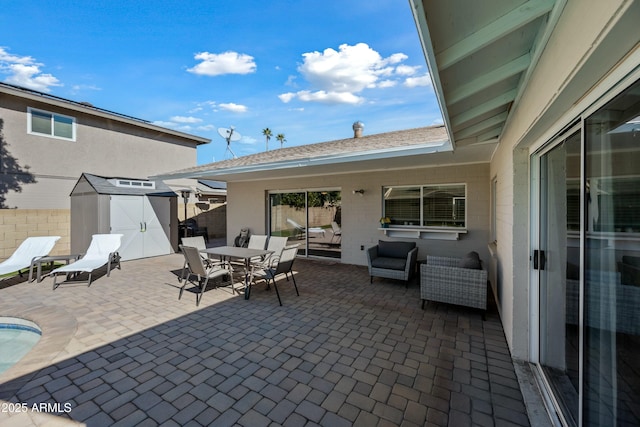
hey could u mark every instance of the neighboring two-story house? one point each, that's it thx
(47, 142)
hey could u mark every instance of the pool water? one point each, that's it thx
(17, 337)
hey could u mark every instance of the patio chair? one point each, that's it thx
(198, 243)
(257, 241)
(196, 267)
(275, 244)
(277, 265)
(27, 253)
(103, 250)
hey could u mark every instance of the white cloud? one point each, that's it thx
(183, 119)
(387, 83)
(329, 97)
(79, 88)
(340, 76)
(215, 64)
(286, 97)
(25, 71)
(236, 108)
(424, 80)
(406, 70)
(14, 59)
(207, 128)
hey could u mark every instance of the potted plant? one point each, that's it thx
(384, 222)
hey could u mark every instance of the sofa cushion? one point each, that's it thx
(471, 260)
(389, 263)
(394, 249)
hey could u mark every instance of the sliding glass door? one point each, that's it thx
(313, 219)
(587, 258)
(557, 260)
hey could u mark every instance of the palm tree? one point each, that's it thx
(267, 134)
(281, 138)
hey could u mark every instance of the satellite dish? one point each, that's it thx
(229, 135)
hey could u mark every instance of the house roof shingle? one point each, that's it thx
(431, 137)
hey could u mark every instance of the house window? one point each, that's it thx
(426, 205)
(51, 124)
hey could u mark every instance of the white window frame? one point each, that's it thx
(53, 117)
(422, 214)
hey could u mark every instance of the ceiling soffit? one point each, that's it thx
(481, 55)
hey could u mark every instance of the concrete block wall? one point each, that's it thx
(18, 224)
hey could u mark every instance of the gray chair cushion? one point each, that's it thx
(471, 260)
(395, 249)
(389, 263)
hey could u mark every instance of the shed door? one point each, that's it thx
(156, 226)
(144, 224)
(127, 219)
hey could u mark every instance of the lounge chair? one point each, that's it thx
(102, 250)
(302, 231)
(29, 251)
(337, 233)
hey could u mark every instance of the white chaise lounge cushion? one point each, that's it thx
(97, 254)
(32, 248)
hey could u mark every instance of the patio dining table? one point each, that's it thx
(246, 254)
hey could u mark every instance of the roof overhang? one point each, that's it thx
(416, 156)
(480, 56)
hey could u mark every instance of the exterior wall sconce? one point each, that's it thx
(359, 192)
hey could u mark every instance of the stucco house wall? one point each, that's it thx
(587, 54)
(105, 145)
(247, 207)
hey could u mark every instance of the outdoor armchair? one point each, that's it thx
(103, 250)
(392, 260)
(27, 253)
(460, 281)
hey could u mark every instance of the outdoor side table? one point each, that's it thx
(37, 263)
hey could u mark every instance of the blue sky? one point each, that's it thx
(306, 69)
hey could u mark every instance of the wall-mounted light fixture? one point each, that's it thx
(359, 192)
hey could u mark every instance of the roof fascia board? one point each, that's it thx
(101, 113)
(419, 16)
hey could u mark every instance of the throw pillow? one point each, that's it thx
(470, 260)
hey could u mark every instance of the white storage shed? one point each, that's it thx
(143, 211)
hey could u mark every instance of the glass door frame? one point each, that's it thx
(306, 192)
(536, 218)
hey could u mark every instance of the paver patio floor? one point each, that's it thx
(126, 351)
